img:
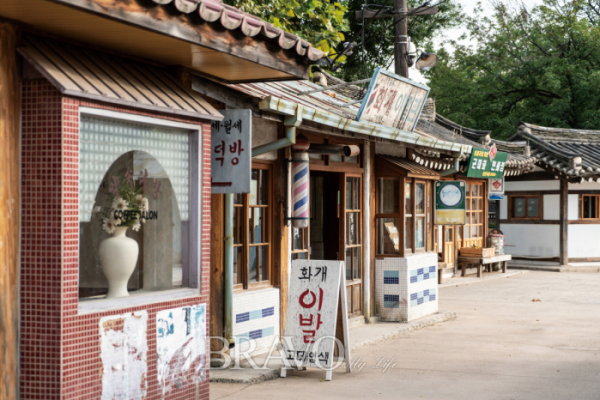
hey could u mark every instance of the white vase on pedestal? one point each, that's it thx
(118, 256)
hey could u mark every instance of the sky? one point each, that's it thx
(468, 7)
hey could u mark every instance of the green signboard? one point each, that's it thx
(482, 165)
(450, 203)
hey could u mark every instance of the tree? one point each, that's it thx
(379, 34)
(321, 23)
(540, 66)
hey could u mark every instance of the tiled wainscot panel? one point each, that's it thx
(256, 317)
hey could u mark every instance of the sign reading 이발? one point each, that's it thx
(393, 101)
(231, 152)
(312, 313)
(450, 203)
(487, 163)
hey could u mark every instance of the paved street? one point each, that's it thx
(503, 345)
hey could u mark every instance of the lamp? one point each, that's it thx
(426, 61)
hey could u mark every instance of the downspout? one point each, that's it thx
(291, 123)
(456, 167)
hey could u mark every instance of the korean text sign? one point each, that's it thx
(450, 203)
(393, 101)
(312, 312)
(484, 164)
(231, 152)
(496, 189)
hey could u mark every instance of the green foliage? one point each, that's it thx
(321, 23)
(540, 66)
(379, 35)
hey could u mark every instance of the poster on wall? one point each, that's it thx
(393, 101)
(181, 346)
(496, 189)
(231, 151)
(486, 164)
(450, 203)
(316, 287)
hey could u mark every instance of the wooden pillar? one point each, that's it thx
(217, 272)
(281, 238)
(10, 116)
(564, 222)
(498, 214)
(373, 237)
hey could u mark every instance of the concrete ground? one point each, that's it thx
(503, 345)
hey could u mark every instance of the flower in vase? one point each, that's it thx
(144, 204)
(109, 226)
(136, 225)
(115, 220)
(120, 204)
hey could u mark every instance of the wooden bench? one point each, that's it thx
(480, 262)
(441, 267)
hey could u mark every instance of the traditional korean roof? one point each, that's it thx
(330, 108)
(573, 154)
(232, 18)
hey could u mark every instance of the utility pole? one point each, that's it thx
(400, 38)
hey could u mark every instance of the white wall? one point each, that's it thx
(532, 185)
(263, 132)
(551, 206)
(584, 241)
(573, 206)
(531, 240)
(584, 186)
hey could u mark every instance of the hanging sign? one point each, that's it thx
(393, 101)
(231, 150)
(496, 189)
(486, 163)
(315, 288)
(450, 203)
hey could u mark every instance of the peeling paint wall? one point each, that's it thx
(181, 347)
(123, 350)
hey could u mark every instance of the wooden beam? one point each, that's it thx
(10, 114)
(217, 270)
(564, 222)
(411, 11)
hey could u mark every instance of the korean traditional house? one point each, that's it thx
(101, 131)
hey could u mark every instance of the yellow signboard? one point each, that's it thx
(450, 217)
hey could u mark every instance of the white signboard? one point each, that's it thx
(496, 188)
(315, 289)
(231, 152)
(393, 101)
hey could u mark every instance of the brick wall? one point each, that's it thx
(60, 350)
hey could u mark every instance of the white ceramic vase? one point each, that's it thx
(118, 256)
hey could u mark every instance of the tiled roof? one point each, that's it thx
(231, 18)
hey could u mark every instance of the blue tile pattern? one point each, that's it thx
(418, 298)
(256, 314)
(257, 334)
(391, 301)
(421, 274)
(391, 277)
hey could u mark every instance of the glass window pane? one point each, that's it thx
(352, 228)
(519, 206)
(348, 193)
(420, 232)
(388, 236)
(335, 157)
(407, 198)
(238, 198)
(237, 265)
(356, 260)
(408, 230)
(258, 225)
(479, 231)
(474, 204)
(348, 264)
(388, 195)
(420, 198)
(254, 187)
(297, 239)
(467, 189)
(533, 207)
(356, 194)
(467, 232)
(264, 262)
(314, 156)
(459, 232)
(448, 235)
(301, 256)
(253, 262)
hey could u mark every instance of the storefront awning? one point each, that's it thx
(408, 168)
(87, 74)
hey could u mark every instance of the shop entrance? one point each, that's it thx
(336, 227)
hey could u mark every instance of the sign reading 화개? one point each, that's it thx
(486, 163)
(231, 152)
(496, 189)
(316, 286)
(450, 203)
(393, 101)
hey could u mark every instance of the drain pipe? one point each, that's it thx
(291, 123)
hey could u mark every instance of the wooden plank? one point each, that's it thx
(373, 237)
(217, 271)
(411, 11)
(10, 104)
(564, 222)
(281, 233)
(530, 221)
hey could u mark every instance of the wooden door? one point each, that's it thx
(351, 239)
(448, 245)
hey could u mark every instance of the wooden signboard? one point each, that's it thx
(230, 155)
(315, 288)
(393, 101)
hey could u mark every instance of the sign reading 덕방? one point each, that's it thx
(393, 101)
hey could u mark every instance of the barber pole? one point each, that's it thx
(300, 189)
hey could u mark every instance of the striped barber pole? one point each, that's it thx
(300, 189)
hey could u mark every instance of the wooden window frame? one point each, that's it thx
(397, 216)
(511, 206)
(359, 224)
(305, 240)
(580, 216)
(267, 234)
